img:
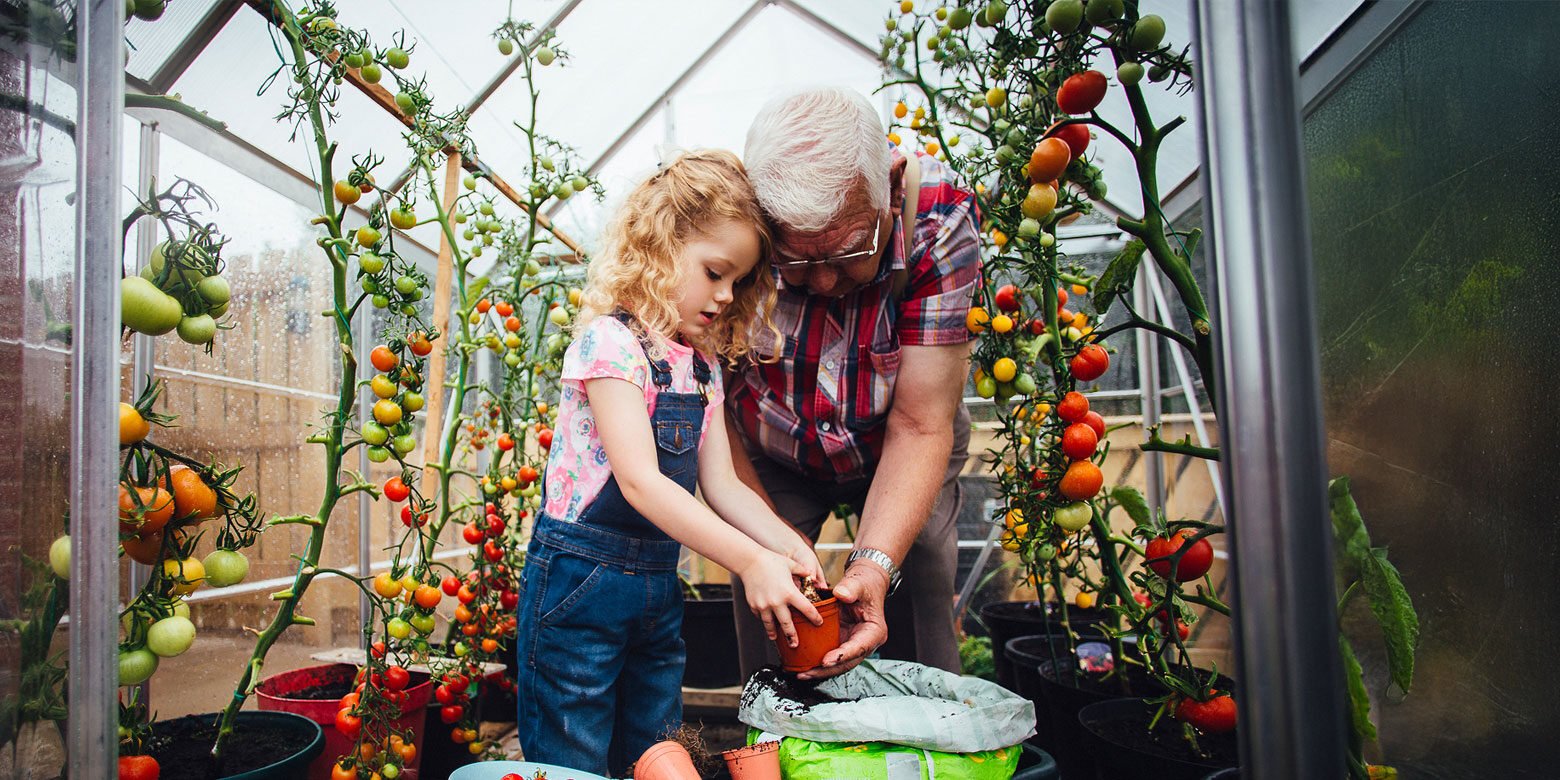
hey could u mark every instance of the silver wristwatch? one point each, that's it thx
(880, 558)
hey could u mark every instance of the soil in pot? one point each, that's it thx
(709, 631)
(1124, 748)
(182, 746)
(1005, 620)
(1026, 653)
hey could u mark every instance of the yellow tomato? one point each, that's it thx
(1002, 323)
(932, 147)
(977, 320)
(1013, 517)
(387, 412)
(1004, 370)
(1042, 409)
(893, 138)
(387, 586)
(1083, 600)
(132, 426)
(900, 109)
(383, 386)
(188, 574)
(1079, 289)
(999, 238)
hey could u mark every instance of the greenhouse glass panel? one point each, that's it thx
(152, 44)
(1434, 224)
(37, 246)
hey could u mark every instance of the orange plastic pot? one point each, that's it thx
(812, 642)
(665, 761)
(758, 761)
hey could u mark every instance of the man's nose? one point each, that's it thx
(823, 278)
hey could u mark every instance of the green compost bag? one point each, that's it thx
(893, 720)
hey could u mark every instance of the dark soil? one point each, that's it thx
(183, 748)
(797, 696)
(323, 691)
(1168, 740)
(1128, 681)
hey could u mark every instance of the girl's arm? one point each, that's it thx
(624, 427)
(739, 505)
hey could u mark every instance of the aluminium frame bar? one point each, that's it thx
(92, 739)
(1292, 714)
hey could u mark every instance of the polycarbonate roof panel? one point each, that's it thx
(224, 86)
(152, 43)
(614, 72)
(1311, 22)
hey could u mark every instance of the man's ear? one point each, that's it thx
(896, 185)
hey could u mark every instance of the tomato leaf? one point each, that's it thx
(474, 290)
(1394, 610)
(1131, 500)
(1359, 699)
(1118, 276)
(1351, 540)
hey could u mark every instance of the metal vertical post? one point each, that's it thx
(1148, 391)
(94, 377)
(1292, 710)
(143, 351)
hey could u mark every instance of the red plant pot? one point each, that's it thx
(281, 692)
(812, 642)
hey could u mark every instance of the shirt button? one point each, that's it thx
(825, 427)
(829, 364)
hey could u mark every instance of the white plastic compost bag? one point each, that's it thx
(899, 702)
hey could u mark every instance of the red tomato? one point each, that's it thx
(504, 308)
(1082, 481)
(1195, 562)
(492, 551)
(407, 517)
(1072, 407)
(545, 438)
(512, 324)
(347, 723)
(443, 694)
(1081, 92)
(450, 585)
(451, 713)
(1079, 441)
(396, 490)
(138, 768)
(506, 442)
(509, 600)
(1076, 136)
(397, 678)
(471, 533)
(1095, 421)
(1061, 298)
(1090, 363)
(483, 306)
(382, 358)
(427, 596)
(1214, 716)
(1036, 327)
(1037, 478)
(421, 346)
(1007, 297)
(526, 475)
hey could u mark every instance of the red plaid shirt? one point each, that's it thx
(821, 408)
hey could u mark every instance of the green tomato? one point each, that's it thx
(1147, 33)
(1064, 16)
(405, 284)
(580, 183)
(461, 649)
(149, 10)
(353, 60)
(1029, 228)
(189, 255)
(545, 56)
(59, 557)
(405, 101)
(1025, 384)
(996, 12)
(558, 317)
(1129, 73)
(1046, 552)
(412, 402)
(381, 301)
(460, 217)
(371, 73)
(136, 666)
(391, 771)
(146, 309)
(398, 628)
(532, 268)
(469, 182)
(371, 263)
(170, 636)
(1074, 516)
(422, 623)
(404, 444)
(960, 18)
(506, 47)
(397, 58)
(512, 359)
(986, 387)
(199, 329)
(1004, 391)
(1047, 240)
(1007, 155)
(563, 191)
(225, 567)
(378, 454)
(1102, 11)
(374, 433)
(181, 608)
(214, 290)
(409, 309)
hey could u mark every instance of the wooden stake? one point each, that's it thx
(433, 424)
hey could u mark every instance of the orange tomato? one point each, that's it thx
(132, 426)
(144, 549)
(383, 359)
(1082, 481)
(427, 596)
(192, 497)
(343, 772)
(156, 507)
(1048, 160)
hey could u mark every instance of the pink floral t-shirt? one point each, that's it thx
(577, 467)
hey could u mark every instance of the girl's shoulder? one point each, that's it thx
(605, 347)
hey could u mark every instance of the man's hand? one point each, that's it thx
(862, 591)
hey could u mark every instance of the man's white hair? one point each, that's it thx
(806, 152)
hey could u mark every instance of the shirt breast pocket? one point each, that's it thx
(877, 367)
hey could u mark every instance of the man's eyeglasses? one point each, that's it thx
(782, 261)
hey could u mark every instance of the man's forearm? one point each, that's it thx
(905, 488)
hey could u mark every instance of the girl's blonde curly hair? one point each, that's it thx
(637, 269)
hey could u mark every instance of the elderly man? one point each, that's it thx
(862, 404)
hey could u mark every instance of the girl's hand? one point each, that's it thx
(772, 594)
(804, 554)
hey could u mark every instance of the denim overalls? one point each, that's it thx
(600, 623)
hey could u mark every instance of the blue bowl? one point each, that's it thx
(493, 770)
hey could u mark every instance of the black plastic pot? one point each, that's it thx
(1058, 700)
(709, 632)
(1233, 773)
(1006, 620)
(1106, 726)
(248, 758)
(1035, 764)
(440, 754)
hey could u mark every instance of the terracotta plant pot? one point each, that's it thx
(665, 761)
(812, 642)
(758, 761)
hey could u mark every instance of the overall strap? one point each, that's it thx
(907, 220)
(661, 370)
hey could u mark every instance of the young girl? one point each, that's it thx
(682, 275)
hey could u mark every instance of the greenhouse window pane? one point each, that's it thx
(862, 21)
(153, 43)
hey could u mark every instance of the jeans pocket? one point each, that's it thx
(567, 581)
